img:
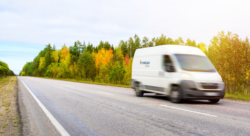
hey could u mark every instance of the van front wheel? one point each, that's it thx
(175, 95)
(138, 92)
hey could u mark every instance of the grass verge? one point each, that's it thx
(237, 97)
(9, 116)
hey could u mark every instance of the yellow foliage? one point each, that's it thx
(22, 73)
(55, 55)
(103, 57)
(202, 46)
(64, 52)
(42, 63)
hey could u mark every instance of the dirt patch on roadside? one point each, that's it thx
(9, 112)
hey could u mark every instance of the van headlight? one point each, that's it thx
(189, 84)
(185, 75)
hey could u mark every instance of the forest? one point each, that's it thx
(4, 70)
(105, 63)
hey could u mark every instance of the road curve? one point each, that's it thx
(87, 109)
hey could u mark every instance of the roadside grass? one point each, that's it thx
(237, 97)
(9, 118)
(89, 82)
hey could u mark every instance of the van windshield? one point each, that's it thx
(195, 63)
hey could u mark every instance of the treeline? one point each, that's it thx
(103, 63)
(108, 64)
(4, 70)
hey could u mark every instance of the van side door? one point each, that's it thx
(169, 72)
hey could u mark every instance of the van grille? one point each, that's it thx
(210, 85)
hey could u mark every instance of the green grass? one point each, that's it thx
(90, 82)
(237, 97)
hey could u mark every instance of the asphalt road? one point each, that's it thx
(87, 109)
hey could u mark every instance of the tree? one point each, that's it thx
(10, 73)
(64, 52)
(55, 56)
(136, 45)
(162, 40)
(4, 68)
(87, 63)
(42, 64)
(145, 42)
(117, 74)
(48, 56)
(103, 57)
(90, 48)
(179, 41)
(170, 41)
(131, 45)
(202, 46)
(151, 44)
(107, 46)
(191, 43)
(124, 47)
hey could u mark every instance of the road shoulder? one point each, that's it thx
(33, 118)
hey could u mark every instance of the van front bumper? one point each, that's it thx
(198, 94)
(188, 93)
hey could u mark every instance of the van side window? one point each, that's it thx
(168, 64)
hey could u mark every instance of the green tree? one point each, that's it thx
(48, 55)
(86, 65)
(162, 40)
(131, 45)
(124, 47)
(90, 48)
(145, 42)
(137, 44)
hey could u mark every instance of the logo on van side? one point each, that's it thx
(146, 63)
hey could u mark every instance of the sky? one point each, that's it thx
(26, 26)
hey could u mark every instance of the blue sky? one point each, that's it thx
(27, 26)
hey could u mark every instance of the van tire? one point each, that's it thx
(214, 100)
(175, 94)
(138, 92)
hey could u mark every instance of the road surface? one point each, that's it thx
(87, 109)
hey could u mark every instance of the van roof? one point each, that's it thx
(168, 49)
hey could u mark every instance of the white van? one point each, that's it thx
(180, 72)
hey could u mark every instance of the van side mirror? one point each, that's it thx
(169, 67)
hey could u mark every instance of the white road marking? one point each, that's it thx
(188, 110)
(57, 125)
(105, 93)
